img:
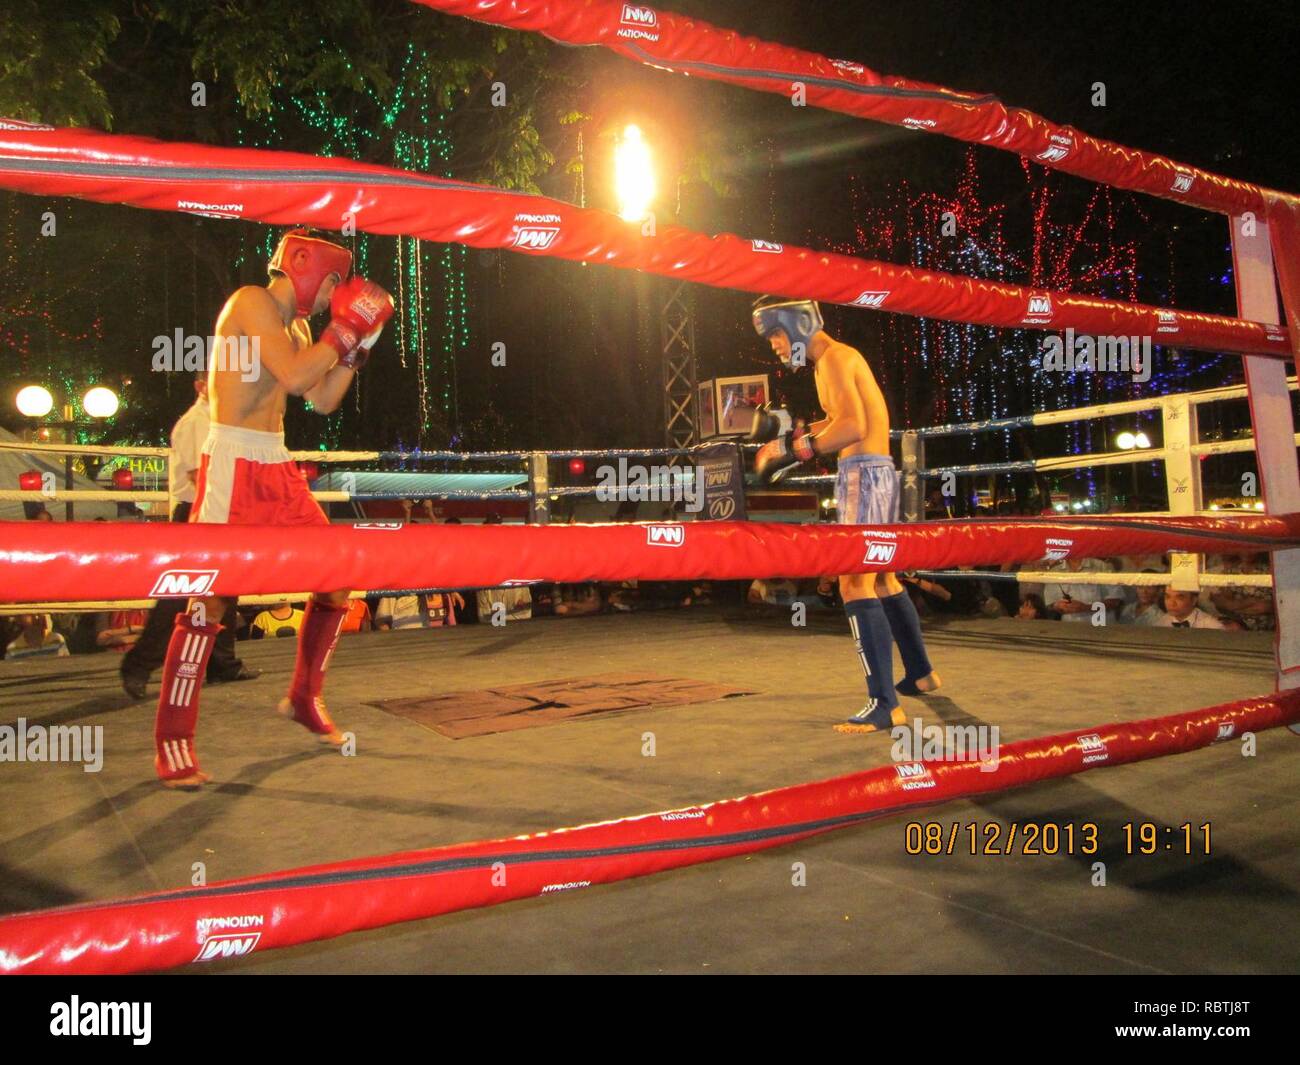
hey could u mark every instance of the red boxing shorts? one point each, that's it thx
(246, 477)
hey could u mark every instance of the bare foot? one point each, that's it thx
(333, 738)
(929, 684)
(193, 782)
(897, 718)
(860, 730)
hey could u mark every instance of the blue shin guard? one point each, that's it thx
(875, 646)
(906, 629)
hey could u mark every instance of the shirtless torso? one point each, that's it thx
(283, 360)
(855, 407)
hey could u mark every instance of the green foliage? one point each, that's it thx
(269, 47)
(50, 55)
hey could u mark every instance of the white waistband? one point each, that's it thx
(237, 434)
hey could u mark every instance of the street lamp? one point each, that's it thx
(1131, 441)
(100, 402)
(35, 402)
(1126, 441)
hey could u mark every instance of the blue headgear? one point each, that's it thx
(798, 319)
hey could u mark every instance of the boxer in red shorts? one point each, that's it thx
(246, 476)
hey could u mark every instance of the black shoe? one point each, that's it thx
(243, 672)
(135, 685)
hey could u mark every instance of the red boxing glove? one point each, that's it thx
(358, 311)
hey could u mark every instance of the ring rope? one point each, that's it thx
(274, 187)
(54, 561)
(281, 909)
(692, 47)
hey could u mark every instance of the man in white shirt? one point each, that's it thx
(188, 435)
(1074, 600)
(1181, 612)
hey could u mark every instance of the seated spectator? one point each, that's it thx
(1243, 606)
(358, 617)
(1181, 612)
(119, 630)
(283, 619)
(625, 596)
(776, 591)
(83, 639)
(36, 639)
(828, 591)
(425, 513)
(701, 594)
(1004, 592)
(991, 594)
(1073, 600)
(937, 505)
(959, 596)
(1145, 608)
(67, 625)
(544, 598)
(1032, 608)
(433, 610)
(9, 630)
(517, 604)
(573, 600)
(244, 616)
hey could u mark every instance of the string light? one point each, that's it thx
(964, 372)
(426, 275)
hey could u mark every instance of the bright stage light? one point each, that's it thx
(633, 175)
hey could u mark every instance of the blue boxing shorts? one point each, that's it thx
(867, 491)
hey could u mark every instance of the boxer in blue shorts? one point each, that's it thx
(856, 429)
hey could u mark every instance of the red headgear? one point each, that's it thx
(322, 259)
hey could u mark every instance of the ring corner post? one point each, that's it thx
(1254, 241)
(539, 488)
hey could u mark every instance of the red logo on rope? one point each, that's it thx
(183, 583)
(878, 553)
(665, 535)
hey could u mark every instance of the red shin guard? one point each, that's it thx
(178, 701)
(317, 639)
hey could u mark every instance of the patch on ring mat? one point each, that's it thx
(458, 715)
